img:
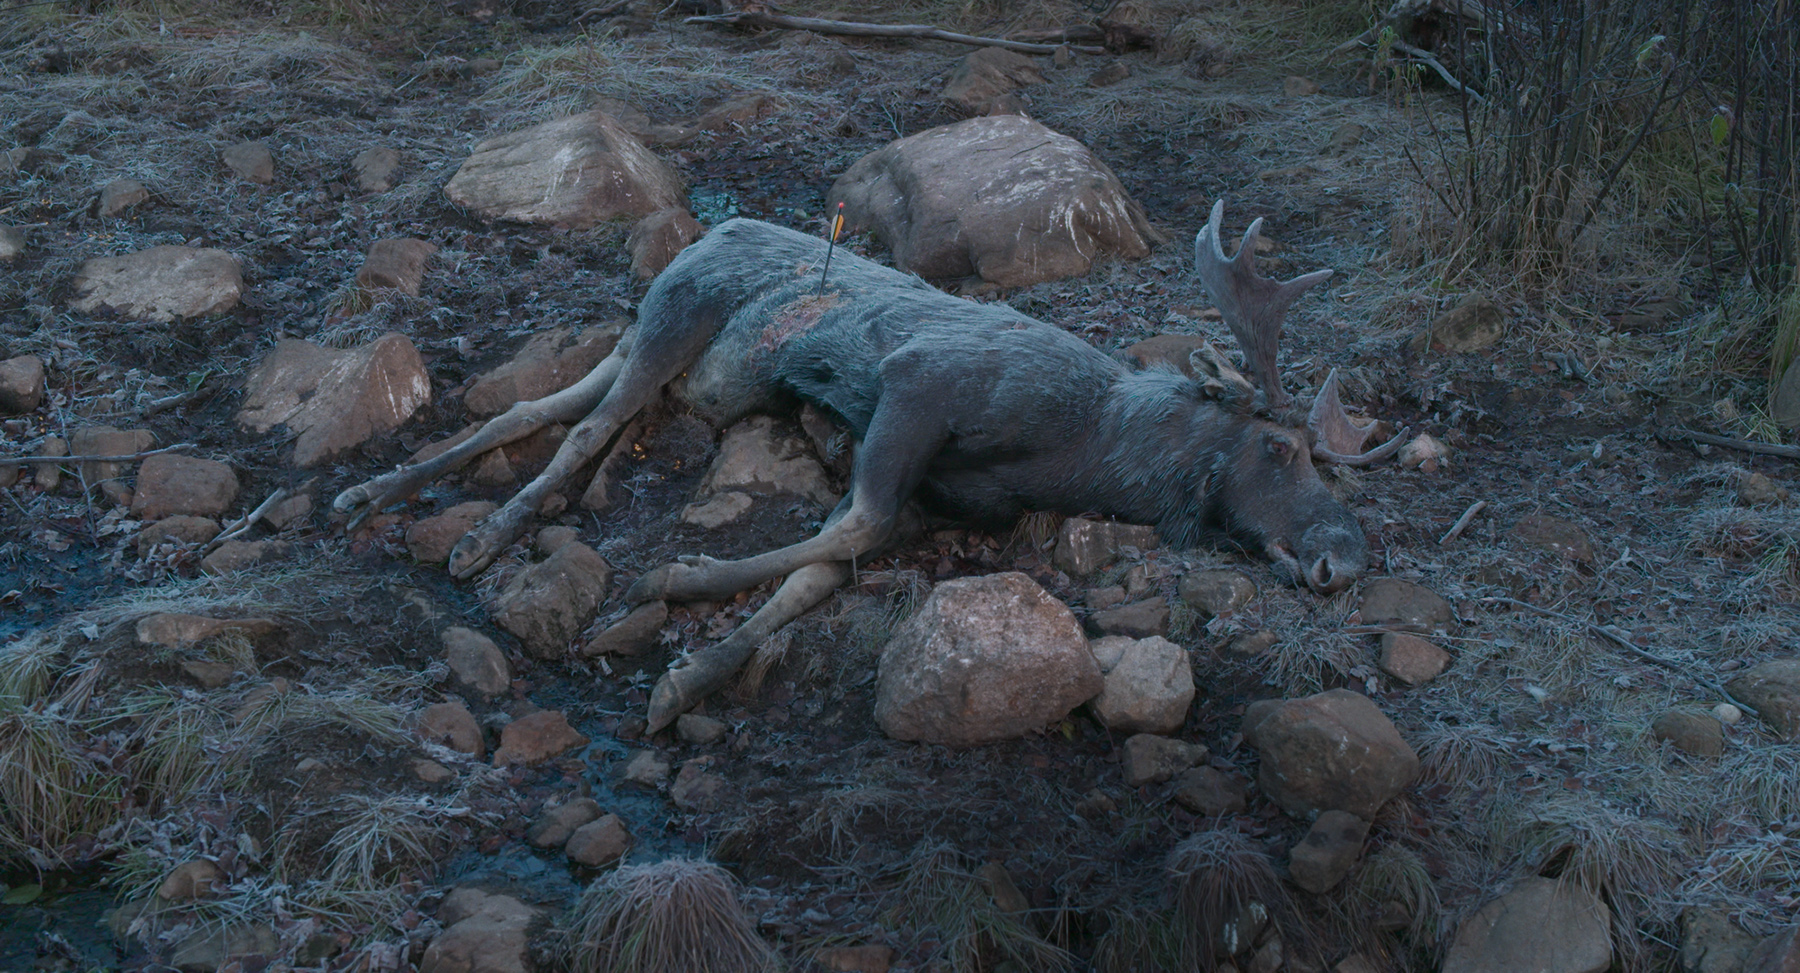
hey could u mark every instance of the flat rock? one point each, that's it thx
(1772, 689)
(451, 724)
(476, 661)
(160, 284)
(553, 827)
(233, 556)
(631, 635)
(1002, 197)
(374, 168)
(718, 510)
(209, 948)
(431, 772)
(551, 361)
(648, 768)
(1138, 620)
(396, 263)
(484, 934)
(699, 730)
(121, 195)
(1700, 734)
(1411, 659)
(986, 74)
(573, 172)
(180, 528)
(1540, 926)
(599, 842)
(754, 458)
(1217, 591)
(697, 788)
(657, 238)
(1148, 689)
(1474, 325)
(549, 603)
(536, 737)
(251, 162)
(335, 400)
(1391, 601)
(1779, 953)
(21, 384)
(1209, 792)
(431, 540)
(1084, 546)
(1556, 535)
(1331, 847)
(984, 659)
(174, 629)
(169, 485)
(1152, 759)
(1712, 943)
(1332, 751)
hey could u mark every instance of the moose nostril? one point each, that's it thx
(1321, 578)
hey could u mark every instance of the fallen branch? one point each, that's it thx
(1635, 649)
(1462, 523)
(59, 460)
(1741, 445)
(241, 527)
(1432, 62)
(206, 391)
(846, 28)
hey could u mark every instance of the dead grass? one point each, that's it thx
(939, 897)
(675, 916)
(1216, 876)
(51, 793)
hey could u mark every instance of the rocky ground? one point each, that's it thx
(237, 732)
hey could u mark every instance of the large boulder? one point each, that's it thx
(160, 284)
(334, 400)
(1332, 751)
(984, 659)
(573, 172)
(1540, 926)
(1001, 197)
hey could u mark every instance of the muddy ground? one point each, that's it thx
(1536, 744)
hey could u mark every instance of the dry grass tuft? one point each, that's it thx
(182, 747)
(1136, 941)
(1394, 879)
(938, 897)
(675, 916)
(381, 841)
(1218, 875)
(50, 794)
(26, 670)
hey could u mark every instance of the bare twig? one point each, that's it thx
(1463, 522)
(1434, 64)
(59, 460)
(1634, 648)
(1742, 445)
(241, 527)
(206, 391)
(846, 28)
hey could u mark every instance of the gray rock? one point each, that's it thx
(160, 284)
(1331, 847)
(209, 948)
(549, 603)
(1209, 792)
(1779, 953)
(476, 661)
(631, 635)
(987, 177)
(699, 730)
(484, 934)
(120, 195)
(572, 172)
(756, 459)
(1149, 688)
(251, 162)
(12, 242)
(1411, 659)
(374, 168)
(1712, 943)
(1152, 759)
(1084, 546)
(553, 827)
(600, 842)
(1773, 689)
(21, 384)
(169, 485)
(1217, 591)
(335, 400)
(1540, 926)
(1140, 619)
(984, 659)
(1332, 751)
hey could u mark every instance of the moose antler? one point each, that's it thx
(1337, 437)
(1253, 306)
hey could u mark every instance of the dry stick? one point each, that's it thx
(57, 460)
(1635, 649)
(1742, 445)
(1462, 523)
(1432, 62)
(242, 527)
(846, 28)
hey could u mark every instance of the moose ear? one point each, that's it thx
(1219, 381)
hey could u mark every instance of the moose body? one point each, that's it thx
(976, 410)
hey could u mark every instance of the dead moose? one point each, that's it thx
(976, 410)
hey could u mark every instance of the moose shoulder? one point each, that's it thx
(976, 410)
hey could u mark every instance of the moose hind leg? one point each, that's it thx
(517, 422)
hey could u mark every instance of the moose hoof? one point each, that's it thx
(687, 579)
(472, 555)
(374, 495)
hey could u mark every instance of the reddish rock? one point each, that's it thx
(169, 485)
(1700, 734)
(550, 362)
(1217, 591)
(548, 604)
(21, 384)
(431, 540)
(536, 737)
(600, 842)
(396, 264)
(631, 635)
(1411, 659)
(1542, 925)
(657, 238)
(1556, 535)
(452, 725)
(1773, 689)
(697, 788)
(1331, 847)
(572, 172)
(335, 400)
(234, 556)
(1152, 759)
(160, 284)
(984, 75)
(186, 530)
(476, 661)
(1332, 751)
(107, 441)
(251, 162)
(374, 168)
(196, 879)
(1391, 601)
(1209, 792)
(553, 828)
(174, 629)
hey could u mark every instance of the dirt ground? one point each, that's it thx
(1536, 744)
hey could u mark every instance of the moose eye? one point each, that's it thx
(1279, 446)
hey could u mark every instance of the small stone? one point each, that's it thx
(633, 634)
(431, 772)
(452, 725)
(1140, 619)
(1542, 925)
(1209, 792)
(1755, 490)
(121, 195)
(699, 730)
(1247, 645)
(1084, 546)
(1322, 858)
(988, 75)
(1109, 74)
(1149, 688)
(1334, 750)
(209, 947)
(536, 737)
(1712, 943)
(550, 361)
(1217, 591)
(1411, 659)
(374, 168)
(251, 162)
(396, 264)
(553, 827)
(1700, 734)
(333, 400)
(1425, 454)
(1727, 714)
(234, 556)
(175, 630)
(290, 512)
(1474, 325)
(180, 528)
(1773, 689)
(647, 767)
(548, 604)
(856, 959)
(1295, 86)
(210, 674)
(1100, 599)
(599, 842)
(168, 484)
(551, 539)
(1393, 602)
(657, 238)
(697, 789)
(476, 661)
(431, 540)
(1152, 759)
(719, 510)
(197, 879)
(21, 384)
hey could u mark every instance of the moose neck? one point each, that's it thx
(1153, 446)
